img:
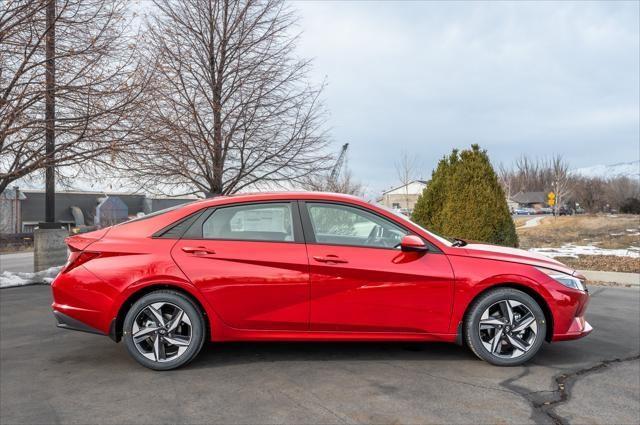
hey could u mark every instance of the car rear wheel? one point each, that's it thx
(505, 327)
(164, 330)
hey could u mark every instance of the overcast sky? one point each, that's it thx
(425, 77)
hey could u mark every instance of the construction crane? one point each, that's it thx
(337, 168)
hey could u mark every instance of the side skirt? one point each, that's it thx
(260, 335)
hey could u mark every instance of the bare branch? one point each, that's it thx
(98, 84)
(229, 105)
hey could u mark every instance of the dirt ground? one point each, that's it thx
(604, 231)
(607, 263)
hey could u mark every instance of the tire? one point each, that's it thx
(515, 343)
(170, 330)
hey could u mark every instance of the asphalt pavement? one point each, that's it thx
(49, 375)
(17, 262)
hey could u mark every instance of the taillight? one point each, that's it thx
(78, 258)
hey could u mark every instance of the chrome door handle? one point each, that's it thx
(198, 250)
(329, 259)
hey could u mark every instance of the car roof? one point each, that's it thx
(270, 196)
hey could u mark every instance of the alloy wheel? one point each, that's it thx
(162, 332)
(508, 329)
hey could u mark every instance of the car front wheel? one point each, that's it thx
(505, 327)
(164, 330)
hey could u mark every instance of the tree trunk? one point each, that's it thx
(218, 163)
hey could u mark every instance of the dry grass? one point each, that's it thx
(607, 263)
(604, 231)
(520, 220)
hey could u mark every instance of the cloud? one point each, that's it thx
(425, 77)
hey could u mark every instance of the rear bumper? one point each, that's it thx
(83, 302)
(68, 322)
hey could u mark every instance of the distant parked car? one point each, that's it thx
(522, 211)
(565, 211)
(545, 211)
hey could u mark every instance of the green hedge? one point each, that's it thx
(464, 200)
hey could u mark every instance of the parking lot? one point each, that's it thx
(50, 375)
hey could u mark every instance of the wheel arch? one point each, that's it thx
(115, 330)
(542, 302)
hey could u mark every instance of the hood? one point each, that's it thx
(514, 255)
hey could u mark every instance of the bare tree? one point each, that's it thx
(344, 183)
(529, 175)
(553, 174)
(620, 189)
(590, 193)
(96, 85)
(561, 180)
(538, 175)
(406, 169)
(505, 177)
(231, 108)
(347, 184)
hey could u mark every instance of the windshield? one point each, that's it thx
(403, 217)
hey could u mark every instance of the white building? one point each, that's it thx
(403, 198)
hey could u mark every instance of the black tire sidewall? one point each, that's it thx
(197, 328)
(491, 297)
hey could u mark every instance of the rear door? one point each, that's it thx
(250, 262)
(360, 280)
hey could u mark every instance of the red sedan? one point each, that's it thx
(308, 267)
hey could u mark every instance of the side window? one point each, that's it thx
(343, 225)
(256, 222)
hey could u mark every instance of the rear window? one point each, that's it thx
(258, 222)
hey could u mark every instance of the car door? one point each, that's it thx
(250, 263)
(360, 280)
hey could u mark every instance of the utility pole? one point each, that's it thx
(49, 249)
(50, 115)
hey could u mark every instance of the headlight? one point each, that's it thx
(564, 279)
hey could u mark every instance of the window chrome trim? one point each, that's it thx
(198, 233)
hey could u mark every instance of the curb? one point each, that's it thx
(632, 279)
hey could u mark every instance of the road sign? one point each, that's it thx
(551, 199)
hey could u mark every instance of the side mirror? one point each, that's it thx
(413, 243)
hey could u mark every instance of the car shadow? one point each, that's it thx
(237, 353)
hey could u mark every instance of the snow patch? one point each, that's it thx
(9, 279)
(573, 251)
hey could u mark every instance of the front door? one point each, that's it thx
(250, 263)
(360, 280)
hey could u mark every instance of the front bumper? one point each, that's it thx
(578, 329)
(569, 314)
